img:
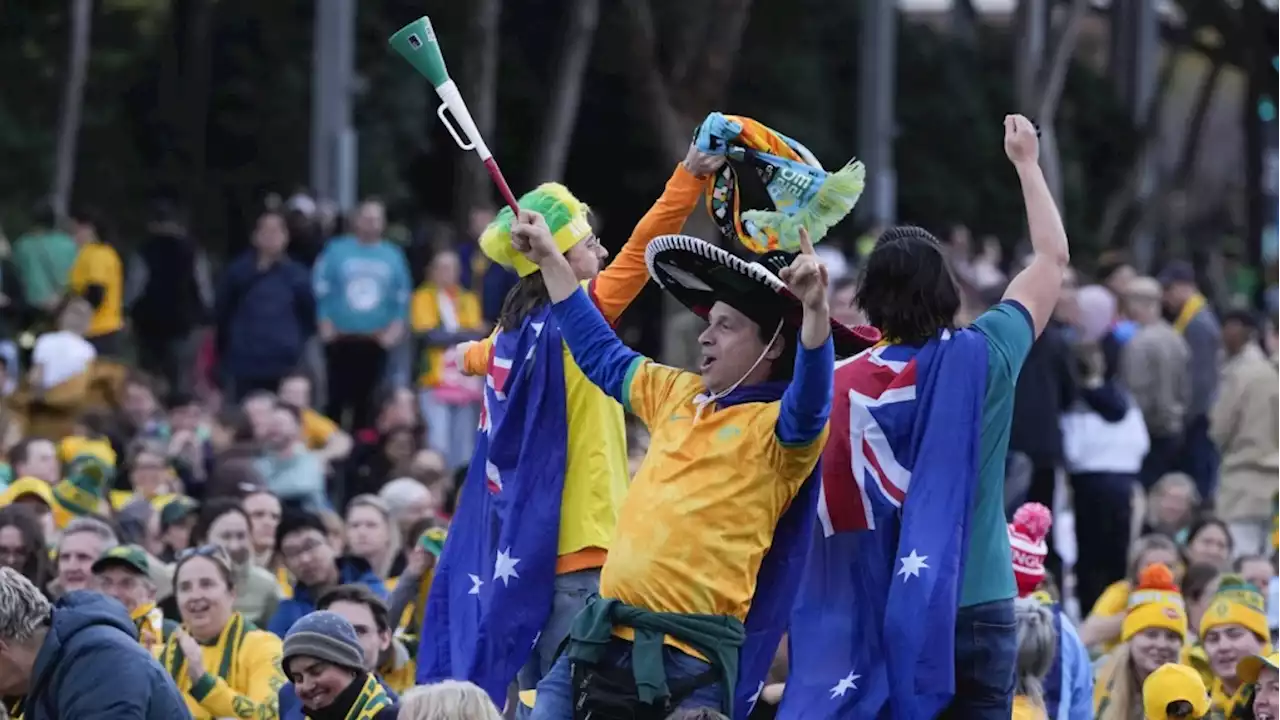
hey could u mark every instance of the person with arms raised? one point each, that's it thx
(731, 449)
(899, 583)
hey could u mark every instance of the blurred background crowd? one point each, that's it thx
(207, 321)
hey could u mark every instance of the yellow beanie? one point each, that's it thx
(1237, 602)
(566, 217)
(1155, 603)
(1169, 684)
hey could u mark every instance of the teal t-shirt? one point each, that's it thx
(988, 566)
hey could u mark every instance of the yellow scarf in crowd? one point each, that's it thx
(150, 623)
(1190, 309)
(14, 706)
(372, 700)
(1236, 705)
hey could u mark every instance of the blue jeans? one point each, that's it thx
(451, 429)
(555, 692)
(573, 591)
(1200, 456)
(986, 654)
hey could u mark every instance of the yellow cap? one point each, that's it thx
(566, 217)
(1248, 669)
(27, 486)
(1169, 684)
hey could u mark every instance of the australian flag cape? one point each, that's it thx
(873, 630)
(778, 579)
(493, 587)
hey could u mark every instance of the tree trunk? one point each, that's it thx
(196, 68)
(1041, 73)
(1121, 200)
(72, 102)
(1177, 180)
(675, 106)
(964, 21)
(562, 110)
(479, 88)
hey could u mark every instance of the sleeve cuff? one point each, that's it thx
(1022, 310)
(202, 687)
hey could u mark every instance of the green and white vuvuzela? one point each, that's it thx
(416, 43)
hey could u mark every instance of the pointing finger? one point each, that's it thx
(806, 246)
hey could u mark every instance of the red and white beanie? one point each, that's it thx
(1030, 525)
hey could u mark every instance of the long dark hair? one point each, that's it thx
(35, 564)
(526, 296)
(906, 287)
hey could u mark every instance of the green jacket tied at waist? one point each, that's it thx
(717, 637)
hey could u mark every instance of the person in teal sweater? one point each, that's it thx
(362, 288)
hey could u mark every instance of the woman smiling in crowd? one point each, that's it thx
(224, 666)
(1151, 635)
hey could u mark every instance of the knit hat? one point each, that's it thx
(131, 557)
(82, 490)
(74, 446)
(1237, 602)
(326, 636)
(1027, 532)
(1155, 603)
(566, 217)
(432, 540)
(1248, 669)
(1173, 683)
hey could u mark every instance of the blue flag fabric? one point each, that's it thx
(494, 585)
(873, 631)
(777, 584)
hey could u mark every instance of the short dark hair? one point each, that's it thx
(1243, 316)
(360, 595)
(1237, 565)
(180, 399)
(906, 288)
(210, 512)
(293, 520)
(21, 452)
(290, 408)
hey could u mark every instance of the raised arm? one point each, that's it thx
(618, 284)
(1038, 286)
(806, 403)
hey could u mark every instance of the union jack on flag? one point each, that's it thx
(873, 630)
(862, 476)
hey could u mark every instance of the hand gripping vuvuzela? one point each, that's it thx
(416, 42)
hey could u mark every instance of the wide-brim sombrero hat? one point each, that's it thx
(699, 275)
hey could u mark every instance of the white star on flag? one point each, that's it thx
(755, 698)
(476, 582)
(845, 685)
(912, 565)
(504, 568)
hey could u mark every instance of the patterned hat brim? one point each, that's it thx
(699, 274)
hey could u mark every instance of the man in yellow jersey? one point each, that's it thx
(98, 277)
(594, 474)
(730, 449)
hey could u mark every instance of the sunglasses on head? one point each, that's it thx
(213, 552)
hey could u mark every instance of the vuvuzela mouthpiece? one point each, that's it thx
(416, 42)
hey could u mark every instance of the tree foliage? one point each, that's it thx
(795, 69)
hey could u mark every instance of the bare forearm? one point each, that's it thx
(1048, 236)
(816, 327)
